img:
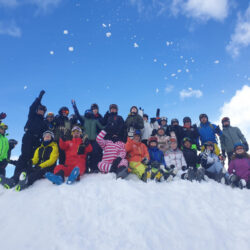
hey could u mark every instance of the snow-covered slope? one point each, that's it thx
(100, 212)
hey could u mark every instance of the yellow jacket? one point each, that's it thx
(46, 156)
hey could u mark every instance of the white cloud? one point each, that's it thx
(241, 36)
(157, 90)
(216, 62)
(169, 88)
(187, 93)
(238, 110)
(10, 28)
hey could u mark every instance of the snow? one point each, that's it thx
(187, 70)
(108, 34)
(136, 45)
(179, 70)
(25, 87)
(65, 32)
(157, 90)
(52, 52)
(155, 60)
(104, 25)
(216, 62)
(71, 49)
(100, 212)
(165, 65)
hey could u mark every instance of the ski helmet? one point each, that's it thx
(186, 139)
(64, 110)
(239, 144)
(164, 119)
(175, 120)
(203, 115)
(152, 139)
(137, 132)
(186, 120)
(225, 119)
(50, 114)
(209, 143)
(94, 106)
(3, 126)
(145, 115)
(172, 140)
(113, 106)
(135, 108)
(49, 132)
(76, 128)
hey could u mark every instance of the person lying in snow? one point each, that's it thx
(114, 152)
(76, 151)
(239, 167)
(212, 164)
(138, 156)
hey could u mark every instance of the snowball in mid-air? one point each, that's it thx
(104, 25)
(216, 61)
(136, 45)
(65, 32)
(52, 52)
(165, 65)
(25, 87)
(155, 60)
(108, 34)
(179, 70)
(71, 49)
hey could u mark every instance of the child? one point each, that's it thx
(194, 171)
(212, 164)
(114, 153)
(157, 162)
(4, 148)
(163, 140)
(174, 158)
(76, 151)
(138, 156)
(239, 167)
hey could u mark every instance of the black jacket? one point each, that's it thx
(191, 157)
(35, 124)
(191, 133)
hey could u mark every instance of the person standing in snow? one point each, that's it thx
(50, 121)
(230, 136)
(138, 156)
(239, 167)
(112, 116)
(133, 122)
(114, 152)
(147, 130)
(90, 126)
(174, 159)
(175, 130)
(44, 160)
(4, 148)
(212, 164)
(208, 132)
(76, 151)
(190, 131)
(95, 109)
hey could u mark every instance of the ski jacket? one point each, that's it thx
(230, 136)
(35, 124)
(62, 124)
(4, 147)
(89, 124)
(208, 132)
(156, 155)
(208, 159)
(46, 156)
(176, 158)
(134, 121)
(71, 151)
(163, 142)
(240, 167)
(111, 150)
(191, 133)
(191, 157)
(136, 151)
(177, 130)
(146, 131)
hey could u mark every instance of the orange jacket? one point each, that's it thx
(136, 151)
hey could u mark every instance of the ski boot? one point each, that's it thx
(200, 174)
(242, 184)
(146, 175)
(55, 179)
(73, 175)
(8, 183)
(23, 182)
(122, 172)
(191, 174)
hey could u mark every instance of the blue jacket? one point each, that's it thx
(207, 132)
(157, 155)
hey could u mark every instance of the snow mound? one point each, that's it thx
(100, 212)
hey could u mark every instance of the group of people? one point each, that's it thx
(60, 146)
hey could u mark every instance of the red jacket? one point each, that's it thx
(71, 149)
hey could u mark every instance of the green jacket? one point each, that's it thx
(90, 127)
(134, 121)
(4, 147)
(230, 136)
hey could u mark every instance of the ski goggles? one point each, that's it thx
(50, 114)
(3, 126)
(65, 112)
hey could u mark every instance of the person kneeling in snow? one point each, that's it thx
(194, 170)
(174, 159)
(212, 164)
(239, 167)
(157, 162)
(76, 151)
(114, 152)
(138, 156)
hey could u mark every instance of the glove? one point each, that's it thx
(81, 149)
(198, 147)
(62, 135)
(145, 161)
(158, 113)
(155, 164)
(86, 142)
(73, 102)
(184, 168)
(217, 130)
(172, 166)
(246, 146)
(41, 94)
(2, 115)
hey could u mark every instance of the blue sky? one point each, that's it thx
(184, 56)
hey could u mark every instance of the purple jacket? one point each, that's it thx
(240, 167)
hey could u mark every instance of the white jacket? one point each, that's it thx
(176, 158)
(146, 131)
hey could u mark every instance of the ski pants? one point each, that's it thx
(3, 165)
(104, 166)
(95, 156)
(137, 168)
(67, 169)
(38, 173)
(216, 168)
